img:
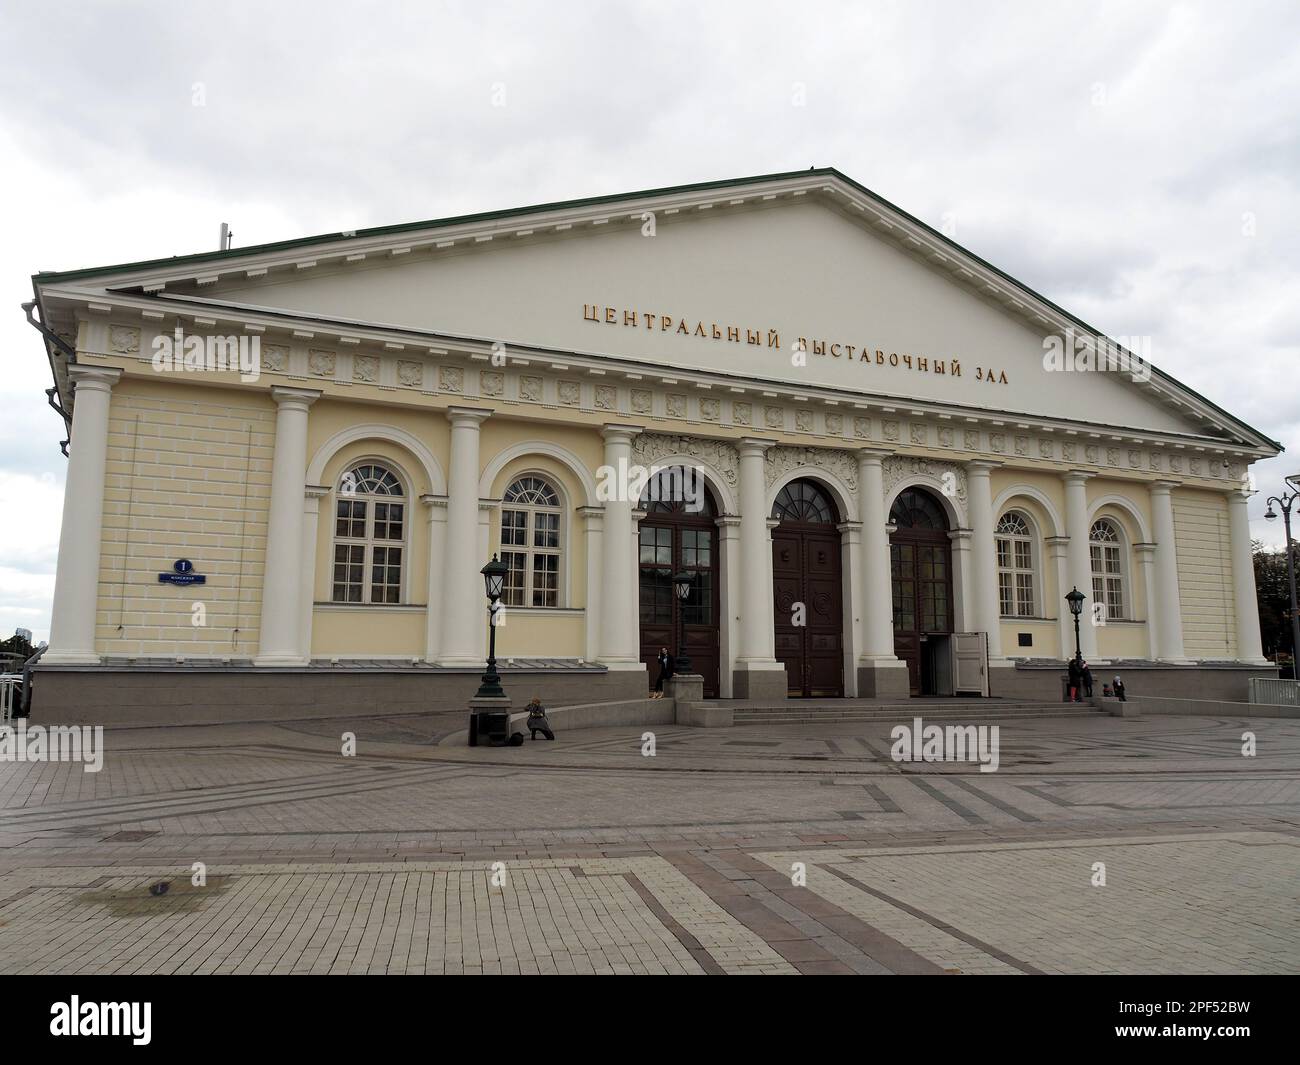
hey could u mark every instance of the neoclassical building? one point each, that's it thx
(289, 462)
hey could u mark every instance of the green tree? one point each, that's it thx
(1273, 594)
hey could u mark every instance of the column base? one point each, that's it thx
(883, 677)
(759, 680)
(70, 658)
(466, 662)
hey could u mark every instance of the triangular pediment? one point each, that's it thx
(724, 279)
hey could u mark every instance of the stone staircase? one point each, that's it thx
(965, 711)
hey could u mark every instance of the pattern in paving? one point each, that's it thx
(773, 848)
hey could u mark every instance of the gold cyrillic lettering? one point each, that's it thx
(589, 313)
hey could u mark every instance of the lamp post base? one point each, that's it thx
(489, 721)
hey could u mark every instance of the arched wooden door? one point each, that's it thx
(920, 555)
(806, 581)
(679, 534)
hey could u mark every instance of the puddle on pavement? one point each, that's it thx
(136, 900)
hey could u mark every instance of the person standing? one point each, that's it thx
(1087, 679)
(666, 665)
(1076, 678)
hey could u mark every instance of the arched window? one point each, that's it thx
(803, 501)
(1106, 548)
(530, 543)
(369, 536)
(1015, 548)
(916, 508)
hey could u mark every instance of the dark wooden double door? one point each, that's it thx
(920, 556)
(672, 539)
(808, 608)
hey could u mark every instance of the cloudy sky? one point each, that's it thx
(1137, 163)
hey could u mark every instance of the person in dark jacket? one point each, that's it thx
(537, 720)
(1087, 679)
(1076, 678)
(666, 664)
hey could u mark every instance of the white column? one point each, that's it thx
(619, 644)
(757, 635)
(1168, 603)
(963, 603)
(850, 580)
(307, 582)
(464, 607)
(436, 514)
(593, 528)
(1080, 563)
(1146, 561)
(984, 575)
(1249, 646)
(76, 582)
(877, 586)
(729, 593)
(1058, 552)
(280, 641)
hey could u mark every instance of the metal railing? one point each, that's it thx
(11, 688)
(1275, 691)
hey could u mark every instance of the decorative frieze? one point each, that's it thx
(783, 460)
(650, 449)
(899, 468)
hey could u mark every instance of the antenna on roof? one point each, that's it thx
(227, 237)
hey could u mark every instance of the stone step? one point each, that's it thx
(827, 717)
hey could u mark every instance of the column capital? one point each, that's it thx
(1145, 551)
(488, 504)
(591, 515)
(981, 465)
(613, 433)
(434, 503)
(316, 491)
(294, 398)
(467, 416)
(728, 521)
(1056, 545)
(874, 455)
(960, 537)
(1163, 487)
(753, 445)
(1077, 476)
(94, 378)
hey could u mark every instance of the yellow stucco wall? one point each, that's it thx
(1205, 573)
(188, 476)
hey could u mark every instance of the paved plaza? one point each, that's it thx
(1100, 845)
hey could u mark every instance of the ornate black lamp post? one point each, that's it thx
(494, 575)
(682, 582)
(1075, 599)
(1285, 502)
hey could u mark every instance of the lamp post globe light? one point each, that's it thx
(1284, 502)
(494, 575)
(682, 582)
(1075, 598)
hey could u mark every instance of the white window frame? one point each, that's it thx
(1029, 537)
(1120, 578)
(529, 548)
(345, 490)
